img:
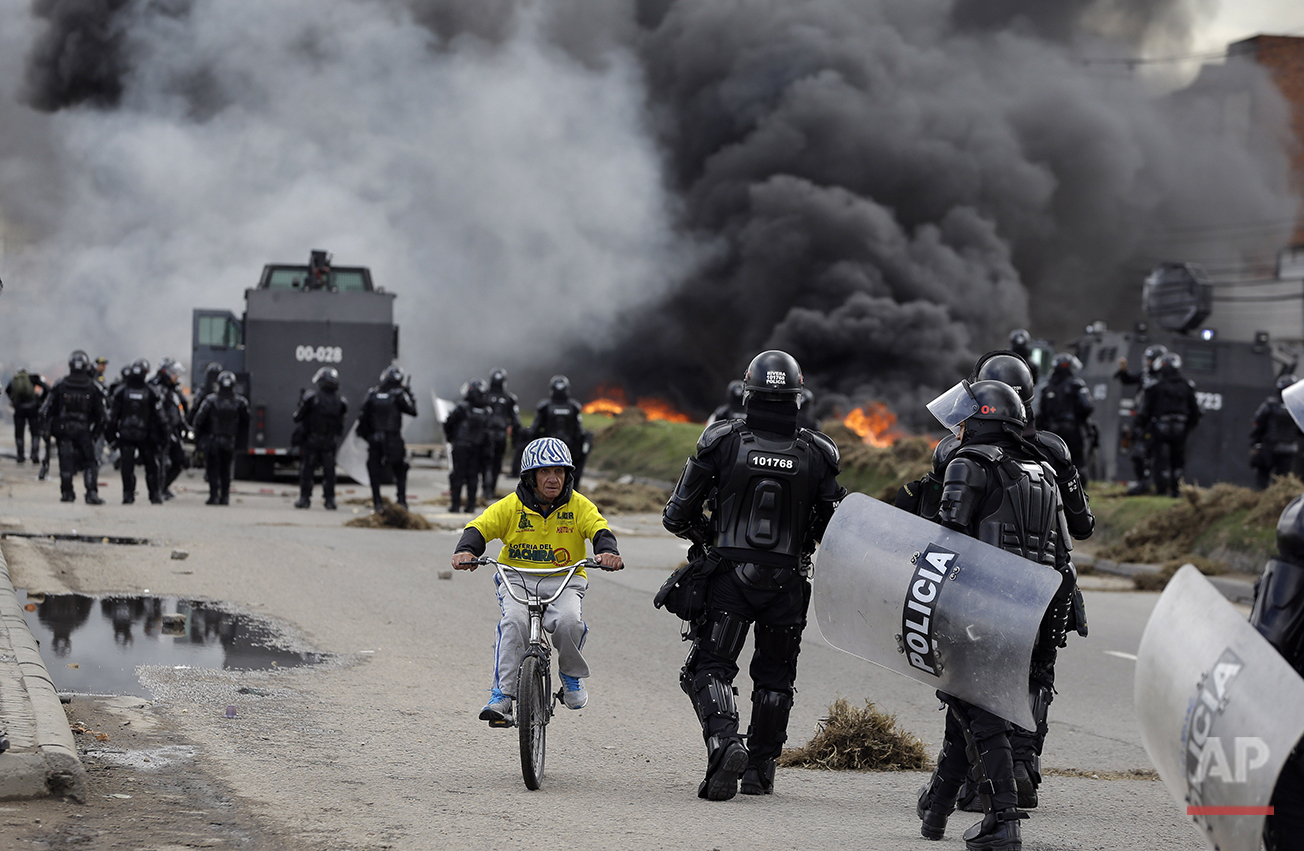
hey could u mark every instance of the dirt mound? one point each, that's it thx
(1214, 528)
(859, 740)
(626, 497)
(879, 470)
(393, 516)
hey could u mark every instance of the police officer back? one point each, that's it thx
(1274, 437)
(320, 413)
(26, 391)
(1168, 412)
(467, 428)
(176, 412)
(505, 420)
(771, 488)
(136, 426)
(221, 421)
(74, 413)
(1065, 408)
(1138, 447)
(381, 424)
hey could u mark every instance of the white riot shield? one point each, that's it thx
(934, 605)
(351, 457)
(1218, 709)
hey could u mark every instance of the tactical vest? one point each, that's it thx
(1280, 434)
(77, 397)
(385, 413)
(562, 421)
(501, 405)
(1026, 519)
(474, 427)
(764, 498)
(1059, 401)
(135, 406)
(326, 418)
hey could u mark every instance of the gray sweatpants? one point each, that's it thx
(563, 619)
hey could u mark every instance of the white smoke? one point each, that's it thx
(508, 193)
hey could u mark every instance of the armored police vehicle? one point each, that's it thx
(298, 319)
(1232, 377)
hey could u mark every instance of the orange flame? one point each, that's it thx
(612, 400)
(875, 423)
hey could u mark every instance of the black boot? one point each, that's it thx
(1025, 781)
(455, 504)
(128, 498)
(65, 490)
(45, 470)
(303, 501)
(998, 831)
(758, 779)
(330, 503)
(213, 498)
(726, 761)
(933, 809)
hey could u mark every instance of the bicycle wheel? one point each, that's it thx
(532, 719)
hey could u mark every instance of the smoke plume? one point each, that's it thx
(646, 192)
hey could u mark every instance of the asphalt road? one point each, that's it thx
(380, 747)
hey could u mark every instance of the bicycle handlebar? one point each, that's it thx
(540, 572)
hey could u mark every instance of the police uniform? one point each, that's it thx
(1274, 441)
(467, 429)
(74, 413)
(1065, 407)
(136, 426)
(26, 395)
(771, 489)
(219, 423)
(320, 413)
(505, 419)
(559, 416)
(1168, 412)
(381, 425)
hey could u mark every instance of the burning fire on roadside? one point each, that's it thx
(612, 400)
(875, 422)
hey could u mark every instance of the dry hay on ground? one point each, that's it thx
(626, 497)
(393, 516)
(858, 740)
(907, 459)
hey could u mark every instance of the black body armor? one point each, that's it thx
(322, 414)
(1278, 612)
(221, 419)
(384, 409)
(1274, 428)
(468, 424)
(560, 420)
(135, 417)
(1065, 403)
(75, 407)
(504, 409)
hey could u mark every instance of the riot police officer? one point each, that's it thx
(381, 425)
(772, 488)
(992, 492)
(1274, 437)
(559, 416)
(176, 412)
(1065, 408)
(1138, 447)
(320, 413)
(732, 409)
(74, 413)
(1021, 345)
(211, 372)
(467, 428)
(806, 410)
(219, 424)
(505, 420)
(136, 426)
(1168, 412)
(26, 390)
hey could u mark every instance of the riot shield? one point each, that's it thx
(1293, 398)
(351, 457)
(934, 605)
(1218, 709)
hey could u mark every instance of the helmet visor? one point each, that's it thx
(954, 407)
(1293, 398)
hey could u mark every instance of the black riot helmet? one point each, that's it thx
(773, 376)
(1021, 342)
(475, 391)
(559, 386)
(226, 383)
(327, 378)
(1065, 363)
(136, 373)
(497, 379)
(735, 392)
(1169, 363)
(391, 377)
(1008, 368)
(997, 406)
(79, 361)
(213, 370)
(1152, 354)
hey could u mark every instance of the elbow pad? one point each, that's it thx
(684, 509)
(962, 489)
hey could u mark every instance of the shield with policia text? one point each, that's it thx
(931, 604)
(1218, 709)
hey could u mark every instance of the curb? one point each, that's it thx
(1235, 590)
(42, 759)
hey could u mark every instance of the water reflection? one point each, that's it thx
(95, 649)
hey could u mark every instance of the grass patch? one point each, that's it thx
(852, 739)
(634, 445)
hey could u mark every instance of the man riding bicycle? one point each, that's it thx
(545, 521)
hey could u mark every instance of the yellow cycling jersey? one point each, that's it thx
(531, 540)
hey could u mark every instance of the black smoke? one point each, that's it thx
(81, 57)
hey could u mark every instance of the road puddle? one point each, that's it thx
(94, 645)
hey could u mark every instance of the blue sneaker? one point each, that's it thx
(573, 695)
(498, 711)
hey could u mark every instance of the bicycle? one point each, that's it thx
(535, 700)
